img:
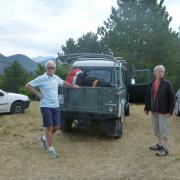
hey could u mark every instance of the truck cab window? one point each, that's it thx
(102, 74)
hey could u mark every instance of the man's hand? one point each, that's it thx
(146, 112)
(34, 91)
(75, 87)
(40, 96)
(72, 86)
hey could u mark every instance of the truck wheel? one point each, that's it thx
(17, 107)
(113, 128)
(65, 123)
(127, 110)
(177, 110)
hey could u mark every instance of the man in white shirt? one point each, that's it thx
(49, 103)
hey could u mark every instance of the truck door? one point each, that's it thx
(138, 85)
(3, 102)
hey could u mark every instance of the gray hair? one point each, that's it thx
(50, 62)
(159, 67)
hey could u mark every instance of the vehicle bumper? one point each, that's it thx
(87, 116)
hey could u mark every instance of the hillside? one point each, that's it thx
(4, 63)
(29, 64)
(25, 61)
(45, 61)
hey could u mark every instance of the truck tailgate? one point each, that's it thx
(83, 99)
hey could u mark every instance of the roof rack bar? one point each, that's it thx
(85, 55)
(70, 57)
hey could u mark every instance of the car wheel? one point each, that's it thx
(177, 110)
(17, 107)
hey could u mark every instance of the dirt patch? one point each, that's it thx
(85, 154)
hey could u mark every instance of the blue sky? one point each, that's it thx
(40, 27)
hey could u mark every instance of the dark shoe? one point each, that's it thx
(162, 152)
(155, 147)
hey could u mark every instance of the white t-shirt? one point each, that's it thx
(48, 86)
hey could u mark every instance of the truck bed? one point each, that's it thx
(88, 99)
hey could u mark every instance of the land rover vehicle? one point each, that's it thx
(12, 102)
(106, 105)
(177, 103)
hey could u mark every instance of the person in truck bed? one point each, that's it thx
(80, 78)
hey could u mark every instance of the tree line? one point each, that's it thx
(15, 77)
(137, 30)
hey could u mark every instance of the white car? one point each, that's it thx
(177, 103)
(13, 103)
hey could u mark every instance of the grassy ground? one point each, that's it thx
(85, 155)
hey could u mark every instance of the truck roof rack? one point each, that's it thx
(122, 61)
(69, 58)
(77, 56)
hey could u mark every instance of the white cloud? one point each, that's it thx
(40, 27)
(173, 8)
(45, 25)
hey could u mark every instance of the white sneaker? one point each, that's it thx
(43, 143)
(52, 153)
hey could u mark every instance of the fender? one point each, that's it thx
(121, 113)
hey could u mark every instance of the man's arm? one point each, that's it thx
(68, 84)
(171, 98)
(33, 90)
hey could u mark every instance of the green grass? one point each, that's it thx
(85, 154)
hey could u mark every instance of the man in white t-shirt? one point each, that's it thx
(49, 103)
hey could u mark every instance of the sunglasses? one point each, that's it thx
(50, 67)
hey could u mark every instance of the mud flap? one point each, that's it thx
(65, 123)
(113, 128)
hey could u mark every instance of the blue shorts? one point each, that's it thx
(51, 116)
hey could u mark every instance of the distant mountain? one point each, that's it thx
(4, 63)
(3, 59)
(39, 59)
(45, 61)
(25, 61)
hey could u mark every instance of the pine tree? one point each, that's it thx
(14, 77)
(139, 31)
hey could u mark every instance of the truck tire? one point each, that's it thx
(113, 128)
(177, 110)
(17, 107)
(65, 123)
(127, 110)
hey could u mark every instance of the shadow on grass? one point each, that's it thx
(95, 132)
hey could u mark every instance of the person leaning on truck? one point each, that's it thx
(160, 101)
(49, 103)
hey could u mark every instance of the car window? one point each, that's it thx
(121, 77)
(102, 74)
(142, 76)
(118, 76)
